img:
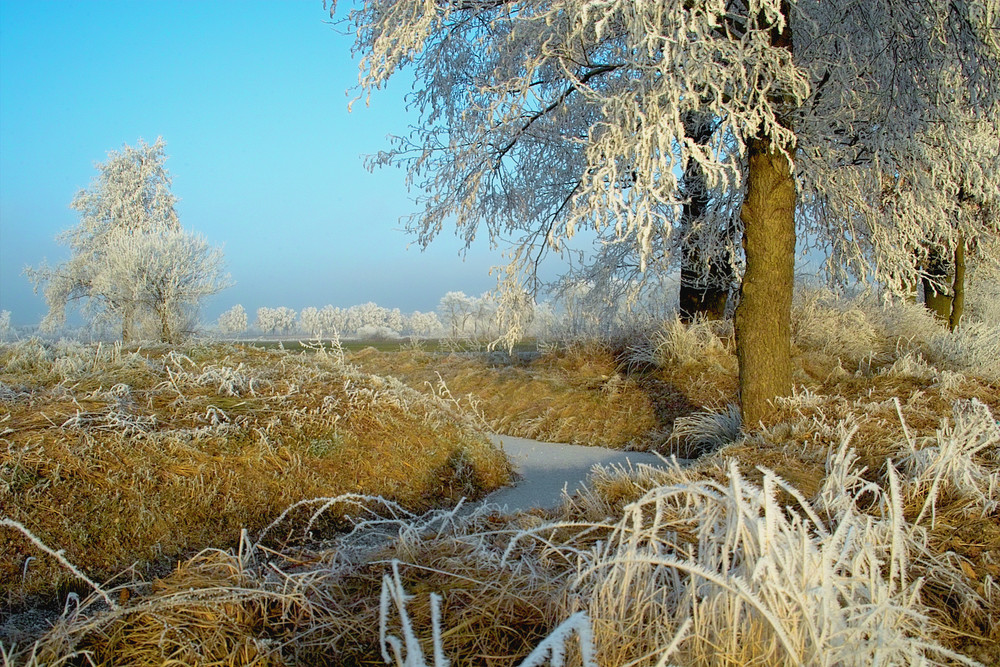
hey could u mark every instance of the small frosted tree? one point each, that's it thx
(456, 311)
(4, 324)
(129, 255)
(279, 320)
(233, 321)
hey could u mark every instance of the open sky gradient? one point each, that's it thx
(251, 98)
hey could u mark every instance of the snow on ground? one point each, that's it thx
(546, 468)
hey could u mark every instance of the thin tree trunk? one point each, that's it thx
(936, 300)
(958, 287)
(763, 318)
(700, 293)
(127, 324)
(165, 334)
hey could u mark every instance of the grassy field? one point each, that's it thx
(859, 524)
(129, 459)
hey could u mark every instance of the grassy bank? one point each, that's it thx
(130, 459)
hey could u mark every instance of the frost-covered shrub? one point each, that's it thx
(675, 343)
(229, 381)
(960, 460)
(973, 348)
(26, 356)
(370, 332)
(704, 432)
(824, 321)
(865, 330)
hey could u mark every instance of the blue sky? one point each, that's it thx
(265, 158)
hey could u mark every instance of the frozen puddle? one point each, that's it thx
(546, 468)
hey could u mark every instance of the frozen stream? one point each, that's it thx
(546, 468)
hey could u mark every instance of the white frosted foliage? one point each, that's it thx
(279, 320)
(233, 321)
(555, 117)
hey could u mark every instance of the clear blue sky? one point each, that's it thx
(265, 158)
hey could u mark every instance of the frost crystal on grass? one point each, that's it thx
(759, 578)
(953, 462)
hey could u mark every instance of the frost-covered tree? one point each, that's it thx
(4, 324)
(455, 311)
(333, 319)
(165, 273)
(233, 321)
(310, 322)
(327, 320)
(279, 320)
(424, 325)
(540, 118)
(393, 319)
(129, 255)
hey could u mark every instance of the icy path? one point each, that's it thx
(548, 467)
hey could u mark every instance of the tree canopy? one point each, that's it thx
(860, 123)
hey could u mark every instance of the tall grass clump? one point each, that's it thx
(704, 432)
(675, 343)
(866, 333)
(959, 461)
(756, 581)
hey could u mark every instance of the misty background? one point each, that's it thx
(252, 100)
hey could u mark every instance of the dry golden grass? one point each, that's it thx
(129, 460)
(585, 393)
(506, 582)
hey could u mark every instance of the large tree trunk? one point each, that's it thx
(936, 297)
(701, 294)
(763, 318)
(958, 287)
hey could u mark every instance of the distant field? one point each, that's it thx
(381, 344)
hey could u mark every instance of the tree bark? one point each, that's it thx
(763, 318)
(936, 299)
(958, 287)
(701, 294)
(128, 317)
(165, 335)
